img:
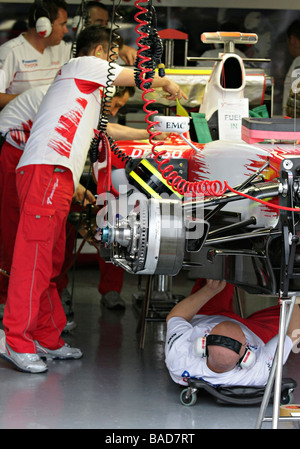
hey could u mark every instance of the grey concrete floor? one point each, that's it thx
(116, 385)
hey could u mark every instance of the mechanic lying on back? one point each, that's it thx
(206, 339)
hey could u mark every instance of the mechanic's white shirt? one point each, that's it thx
(2, 81)
(182, 362)
(25, 67)
(68, 115)
(17, 116)
(289, 80)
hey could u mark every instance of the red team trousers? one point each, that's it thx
(9, 210)
(111, 276)
(33, 310)
(9, 217)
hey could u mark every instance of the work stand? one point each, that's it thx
(288, 275)
(156, 302)
(286, 309)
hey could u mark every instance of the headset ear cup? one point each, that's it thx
(200, 346)
(248, 360)
(77, 24)
(43, 26)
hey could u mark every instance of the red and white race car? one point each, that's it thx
(227, 208)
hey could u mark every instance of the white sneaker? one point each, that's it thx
(63, 353)
(66, 300)
(25, 362)
(113, 300)
(70, 326)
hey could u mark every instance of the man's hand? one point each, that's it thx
(83, 196)
(188, 307)
(174, 91)
(128, 54)
(215, 286)
(6, 98)
(161, 136)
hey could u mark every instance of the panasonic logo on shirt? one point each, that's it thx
(30, 63)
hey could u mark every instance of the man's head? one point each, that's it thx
(120, 98)
(94, 40)
(293, 38)
(98, 13)
(222, 359)
(56, 12)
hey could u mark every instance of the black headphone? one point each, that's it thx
(202, 343)
(42, 20)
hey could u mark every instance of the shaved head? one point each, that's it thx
(220, 359)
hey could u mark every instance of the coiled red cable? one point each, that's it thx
(180, 185)
(143, 60)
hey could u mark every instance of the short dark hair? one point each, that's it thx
(97, 4)
(294, 29)
(91, 4)
(90, 37)
(48, 8)
(121, 90)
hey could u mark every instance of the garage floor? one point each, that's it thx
(115, 385)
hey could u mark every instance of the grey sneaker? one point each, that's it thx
(66, 299)
(63, 353)
(70, 325)
(25, 362)
(113, 300)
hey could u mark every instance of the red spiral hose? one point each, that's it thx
(180, 185)
(142, 58)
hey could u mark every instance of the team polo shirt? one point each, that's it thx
(182, 361)
(25, 67)
(17, 116)
(68, 115)
(2, 81)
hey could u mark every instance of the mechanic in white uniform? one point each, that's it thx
(33, 59)
(206, 340)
